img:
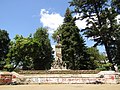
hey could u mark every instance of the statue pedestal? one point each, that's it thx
(58, 64)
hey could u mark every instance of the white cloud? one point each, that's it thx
(50, 20)
(53, 20)
(53, 46)
(81, 24)
(118, 19)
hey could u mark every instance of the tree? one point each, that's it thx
(73, 47)
(101, 21)
(96, 57)
(116, 4)
(117, 58)
(4, 47)
(20, 53)
(43, 56)
(31, 52)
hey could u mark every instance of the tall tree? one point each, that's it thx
(73, 47)
(31, 52)
(100, 16)
(4, 46)
(20, 53)
(43, 57)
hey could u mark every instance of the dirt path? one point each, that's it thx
(62, 87)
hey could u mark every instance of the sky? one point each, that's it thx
(23, 17)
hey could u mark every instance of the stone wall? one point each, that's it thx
(71, 78)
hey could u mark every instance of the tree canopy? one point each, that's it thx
(101, 21)
(35, 52)
(31, 52)
(74, 51)
(4, 47)
(43, 57)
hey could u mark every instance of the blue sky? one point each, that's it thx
(25, 16)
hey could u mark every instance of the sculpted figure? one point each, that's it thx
(58, 39)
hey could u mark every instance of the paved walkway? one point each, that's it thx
(62, 87)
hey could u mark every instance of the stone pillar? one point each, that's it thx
(58, 64)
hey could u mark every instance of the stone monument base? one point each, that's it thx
(72, 78)
(58, 63)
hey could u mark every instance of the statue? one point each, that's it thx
(58, 39)
(116, 68)
(58, 64)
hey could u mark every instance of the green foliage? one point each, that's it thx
(103, 67)
(117, 58)
(20, 53)
(43, 57)
(97, 58)
(4, 47)
(116, 4)
(31, 52)
(101, 21)
(36, 52)
(73, 47)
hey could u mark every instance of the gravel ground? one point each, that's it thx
(62, 87)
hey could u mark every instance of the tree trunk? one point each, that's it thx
(108, 53)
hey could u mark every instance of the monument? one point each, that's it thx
(58, 64)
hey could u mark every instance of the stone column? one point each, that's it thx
(58, 63)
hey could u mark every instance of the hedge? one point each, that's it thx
(58, 71)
